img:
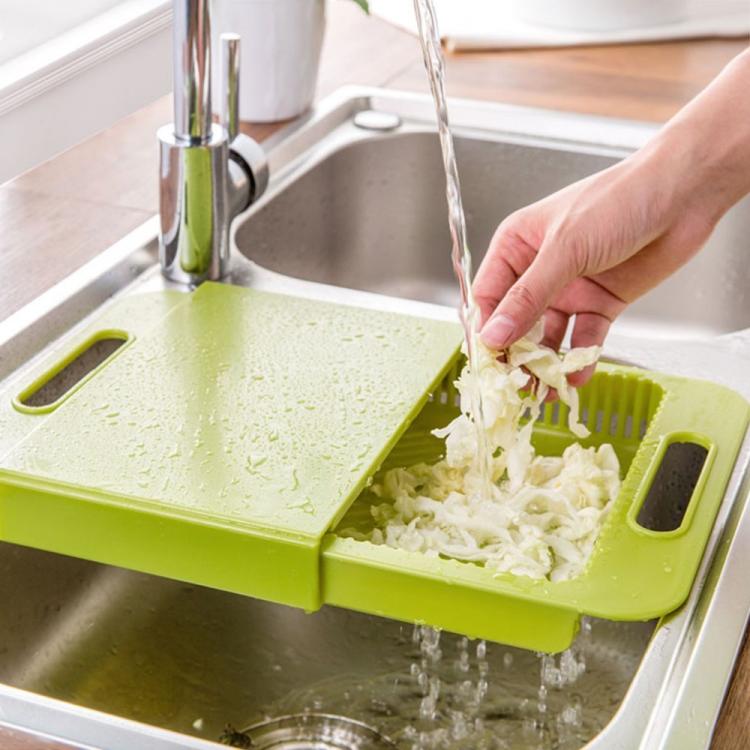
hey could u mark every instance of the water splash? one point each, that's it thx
(440, 691)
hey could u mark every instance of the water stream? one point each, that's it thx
(429, 36)
(441, 691)
(446, 692)
(452, 711)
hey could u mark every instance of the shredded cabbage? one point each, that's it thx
(545, 512)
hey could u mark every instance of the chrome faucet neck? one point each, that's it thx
(192, 70)
(208, 173)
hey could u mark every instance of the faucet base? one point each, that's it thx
(194, 206)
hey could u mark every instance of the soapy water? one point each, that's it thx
(447, 692)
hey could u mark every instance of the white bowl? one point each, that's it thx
(601, 15)
(281, 41)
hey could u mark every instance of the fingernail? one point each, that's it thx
(498, 331)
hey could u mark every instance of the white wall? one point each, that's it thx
(69, 89)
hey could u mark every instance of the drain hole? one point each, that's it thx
(308, 732)
(673, 486)
(72, 373)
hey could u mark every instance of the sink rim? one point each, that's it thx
(590, 137)
(670, 685)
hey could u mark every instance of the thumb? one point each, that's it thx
(527, 299)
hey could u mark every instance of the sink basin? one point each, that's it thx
(104, 657)
(192, 659)
(372, 216)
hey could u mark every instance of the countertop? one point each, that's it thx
(59, 215)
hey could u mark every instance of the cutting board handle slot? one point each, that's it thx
(675, 482)
(46, 392)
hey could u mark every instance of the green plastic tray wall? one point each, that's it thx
(223, 441)
(634, 573)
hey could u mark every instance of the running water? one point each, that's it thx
(429, 36)
(428, 690)
(442, 691)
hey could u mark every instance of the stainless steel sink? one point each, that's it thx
(371, 215)
(110, 658)
(192, 659)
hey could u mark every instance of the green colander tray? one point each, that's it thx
(234, 433)
(634, 573)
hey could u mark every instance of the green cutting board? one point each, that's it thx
(220, 444)
(224, 443)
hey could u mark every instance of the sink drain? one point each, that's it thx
(315, 732)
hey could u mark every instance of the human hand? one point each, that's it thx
(589, 250)
(585, 252)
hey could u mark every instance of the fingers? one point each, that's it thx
(527, 299)
(508, 256)
(494, 278)
(555, 328)
(590, 329)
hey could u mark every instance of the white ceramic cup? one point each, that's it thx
(601, 15)
(281, 41)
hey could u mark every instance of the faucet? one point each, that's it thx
(208, 172)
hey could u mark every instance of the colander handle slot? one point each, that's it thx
(673, 485)
(57, 382)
